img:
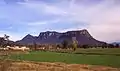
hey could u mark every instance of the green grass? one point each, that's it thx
(107, 60)
(106, 51)
(95, 51)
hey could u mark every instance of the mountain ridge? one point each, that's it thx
(52, 37)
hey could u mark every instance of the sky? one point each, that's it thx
(21, 17)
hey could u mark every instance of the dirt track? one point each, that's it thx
(46, 66)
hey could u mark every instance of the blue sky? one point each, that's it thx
(100, 17)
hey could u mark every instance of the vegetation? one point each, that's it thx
(108, 60)
(35, 45)
(74, 45)
(86, 54)
(10, 65)
(4, 41)
(1, 42)
(117, 45)
(65, 44)
(85, 46)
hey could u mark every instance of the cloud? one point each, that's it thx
(100, 17)
(38, 23)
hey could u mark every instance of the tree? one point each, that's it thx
(117, 45)
(85, 46)
(65, 44)
(35, 45)
(58, 46)
(104, 45)
(2, 42)
(111, 46)
(6, 37)
(74, 44)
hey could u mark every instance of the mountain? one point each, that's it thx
(114, 43)
(52, 37)
(28, 39)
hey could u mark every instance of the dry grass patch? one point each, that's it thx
(47, 66)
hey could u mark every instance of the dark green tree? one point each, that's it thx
(2, 42)
(35, 45)
(117, 46)
(58, 46)
(85, 46)
(105, 45)
(65, 44)
(111, 46)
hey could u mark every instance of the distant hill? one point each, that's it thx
(114, 43)
(52, 37)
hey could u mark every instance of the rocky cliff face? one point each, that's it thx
(51, 37)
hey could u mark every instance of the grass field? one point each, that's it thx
(109, 59)
(98, 51)
(109, 51)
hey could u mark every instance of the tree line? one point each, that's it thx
(65, 44)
